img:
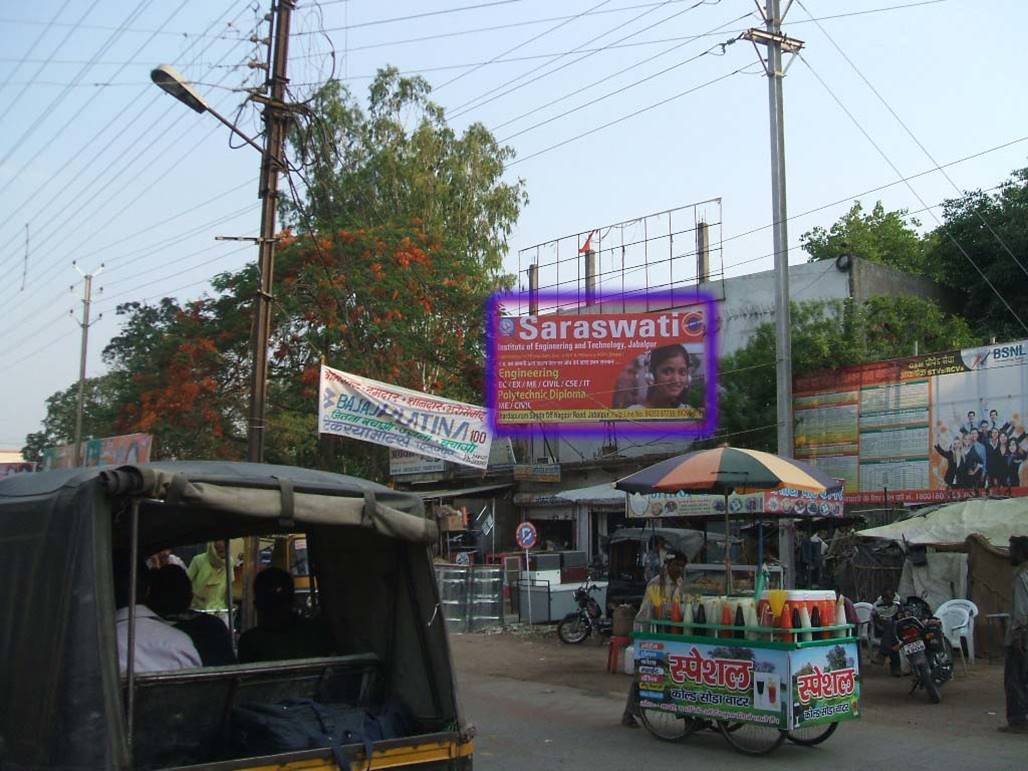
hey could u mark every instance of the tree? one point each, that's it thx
(826, 335)
(889, 238)
(99, 415)
(987, 233)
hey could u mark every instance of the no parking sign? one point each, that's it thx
(526, 535)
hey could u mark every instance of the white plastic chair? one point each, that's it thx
(956, 621)
(865, 629)
(967, 634)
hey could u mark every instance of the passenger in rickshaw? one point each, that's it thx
(170, 596)
(280, 632)
(158, 645)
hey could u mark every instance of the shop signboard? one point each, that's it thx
(825, 684)
(365, 409)
(920, 429)
(795, 503)
(406, 462)
(650, 372)
(109, 451)
(539, 472)
(714, 681)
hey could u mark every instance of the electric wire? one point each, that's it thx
(498, 93)
(913, 192)
(630, 115)
(911, 134)
(613, 75)
(32, 47)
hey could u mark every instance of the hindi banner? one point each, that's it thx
(365, 409)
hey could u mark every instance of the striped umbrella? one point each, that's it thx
(726, 470)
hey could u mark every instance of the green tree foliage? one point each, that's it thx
(397, 236)
(991, 230)
(889, 238)
(99, 416)
(826, 336)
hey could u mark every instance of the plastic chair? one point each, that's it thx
(968, 634)
(956, 623)
(865, 629)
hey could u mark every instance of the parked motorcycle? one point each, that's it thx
(589, 618)
(919, 636)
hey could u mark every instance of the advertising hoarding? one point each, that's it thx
(16, 467)
(109, 451)
(796, 503)
(650, 372)
(920, 429)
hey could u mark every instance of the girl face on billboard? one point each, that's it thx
(670, 379)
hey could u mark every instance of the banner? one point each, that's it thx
(16, 467)
(109, 451)
(784, 689)
(380, 413)
(920, 429)
(719, 682)
(650, 372)
(795, 503)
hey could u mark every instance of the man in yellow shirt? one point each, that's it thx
(207, 574)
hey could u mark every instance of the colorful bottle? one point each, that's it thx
(785, 622)
(815, 620)
(840, 616)
(701, 618)
(804, 619)
(676, 618)
(726, 618)
(687, 617)
(740, 620)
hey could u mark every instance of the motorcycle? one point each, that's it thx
(919, 636)
(589, 618)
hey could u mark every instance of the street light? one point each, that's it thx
(171, 81)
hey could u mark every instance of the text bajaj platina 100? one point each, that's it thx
(760, 667)
(385, 698)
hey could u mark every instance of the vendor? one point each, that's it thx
(663, 589)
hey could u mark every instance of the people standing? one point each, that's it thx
(661, 592)
(884, 615)
(954, 457)
(207, 573)
(1015, 660)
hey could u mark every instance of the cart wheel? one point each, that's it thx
(812, 735)
(751, 738)
(667, 726)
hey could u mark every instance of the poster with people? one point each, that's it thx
(649, 372)
(119, 450)
(926, 428)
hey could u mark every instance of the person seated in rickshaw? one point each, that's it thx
(280, 632)
(158, 645)
(661, 592)
(171, 594)
(883, 616)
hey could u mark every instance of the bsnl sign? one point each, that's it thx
(1008, 351)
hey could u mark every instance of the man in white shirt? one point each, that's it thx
(158, 645)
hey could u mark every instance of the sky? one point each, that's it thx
(616, 109)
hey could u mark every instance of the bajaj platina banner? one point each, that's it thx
(920, 429)
(385, 414)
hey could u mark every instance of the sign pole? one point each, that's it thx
(526, 536)
(529, 590)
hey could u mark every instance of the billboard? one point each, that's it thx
(651, 372)
(16, 467)
(920, 429)
(797, 503)
(365, 409)
(109, 451)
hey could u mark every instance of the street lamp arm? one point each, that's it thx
(235, 130)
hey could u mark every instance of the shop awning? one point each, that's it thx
(460, 492)
(594, 495)
(994, 520)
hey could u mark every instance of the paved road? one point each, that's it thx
(534, 726)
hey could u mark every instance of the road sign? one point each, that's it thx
(526, 535)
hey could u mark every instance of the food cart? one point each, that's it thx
(762, 668)
(757, 684)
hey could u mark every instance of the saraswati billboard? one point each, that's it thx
(652, 372)
(920, 429)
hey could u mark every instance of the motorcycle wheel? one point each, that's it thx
(943, 669)
(924, 674)
(812, 735)
(573, 630)
(750, 738)
(668, 727)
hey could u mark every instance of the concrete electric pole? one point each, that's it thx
(87, 301)
(771, 37)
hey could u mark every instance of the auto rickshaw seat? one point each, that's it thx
(183, 717)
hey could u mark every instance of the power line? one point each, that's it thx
(492, 94)
(613, 75)
(914, 192)
(35, 43)
(632, 114)
(412, 16)
(913, 137)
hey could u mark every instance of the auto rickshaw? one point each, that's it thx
(63, 703)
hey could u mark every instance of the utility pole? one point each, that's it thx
(771, 37)
(276, 118)
(87, 300)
